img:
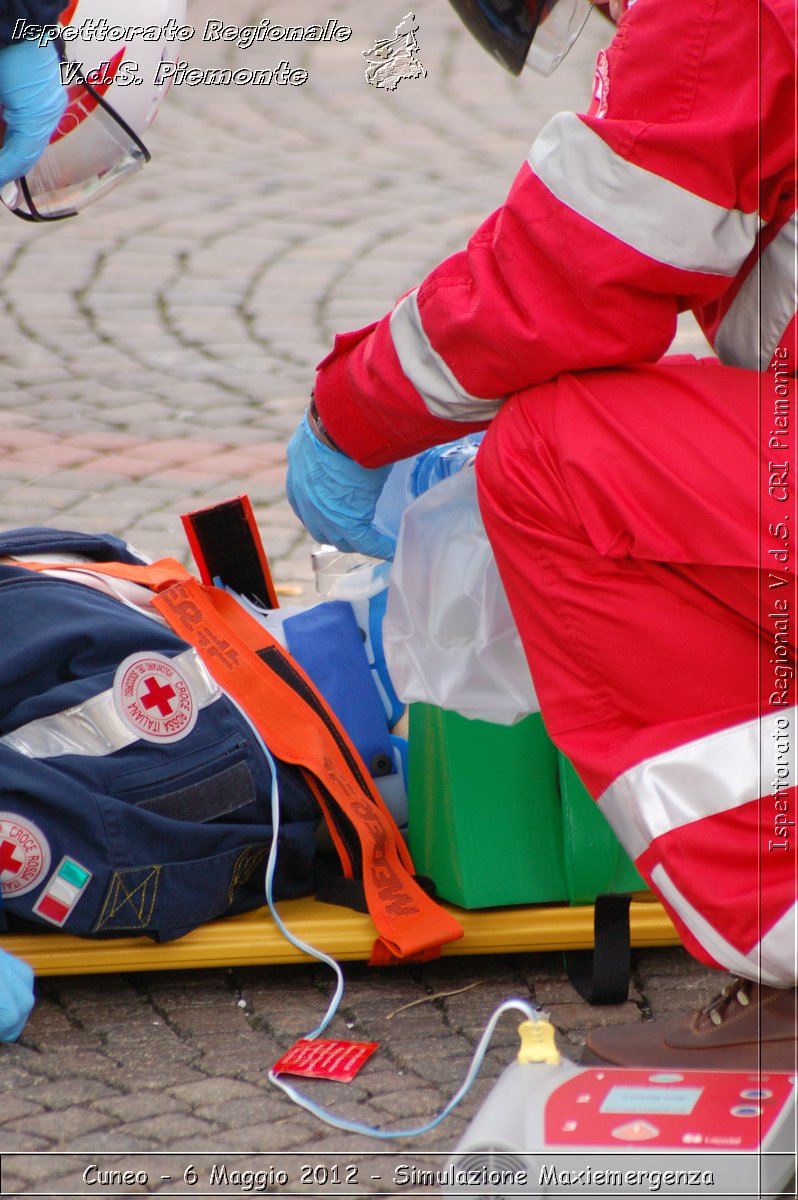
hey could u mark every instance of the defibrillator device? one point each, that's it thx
(552, 1128)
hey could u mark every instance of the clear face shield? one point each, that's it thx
(103, 151)
(537, 33)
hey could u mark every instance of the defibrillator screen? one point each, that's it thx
(651, 1100)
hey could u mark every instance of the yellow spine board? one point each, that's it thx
(253, 938)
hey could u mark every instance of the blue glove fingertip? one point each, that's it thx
(16, 996)
(377, 545)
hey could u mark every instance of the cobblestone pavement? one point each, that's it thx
(155, 356)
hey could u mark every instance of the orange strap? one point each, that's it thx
(299, 727)
(239, 621)
(155, 576)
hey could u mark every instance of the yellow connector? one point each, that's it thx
(537, 1043)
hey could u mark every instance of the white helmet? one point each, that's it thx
(111, 53)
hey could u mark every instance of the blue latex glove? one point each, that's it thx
(334, 497)
(32, 100)
(16, 996)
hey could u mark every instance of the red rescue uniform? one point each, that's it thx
(642, 511)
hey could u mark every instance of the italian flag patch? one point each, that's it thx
(67, 884)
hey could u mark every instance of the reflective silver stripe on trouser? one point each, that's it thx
(700, 779)
(772, 961)
(712, 775)
(645, 211)
(94, 728)
(429, 373)
(764, 306)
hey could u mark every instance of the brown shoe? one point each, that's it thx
(747, 1027)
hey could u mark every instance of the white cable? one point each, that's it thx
(271, 864)
(528, 1010)
(386, 1134)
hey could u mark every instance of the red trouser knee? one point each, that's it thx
(642, 523)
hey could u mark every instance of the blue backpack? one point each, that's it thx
(112, 834)
(140, 746)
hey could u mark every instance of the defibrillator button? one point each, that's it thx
(635, 1131)
(746, 1110)
(755, 1094)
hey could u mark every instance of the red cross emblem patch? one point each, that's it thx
(154, 698)
(601, 86)
(24, 855)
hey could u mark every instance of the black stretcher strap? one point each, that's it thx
(601, 975)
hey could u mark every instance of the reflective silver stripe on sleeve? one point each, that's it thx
(764, 306)
(645, 211)
(429, 373)
(94, 728)
(771, 961)
(702, 778)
